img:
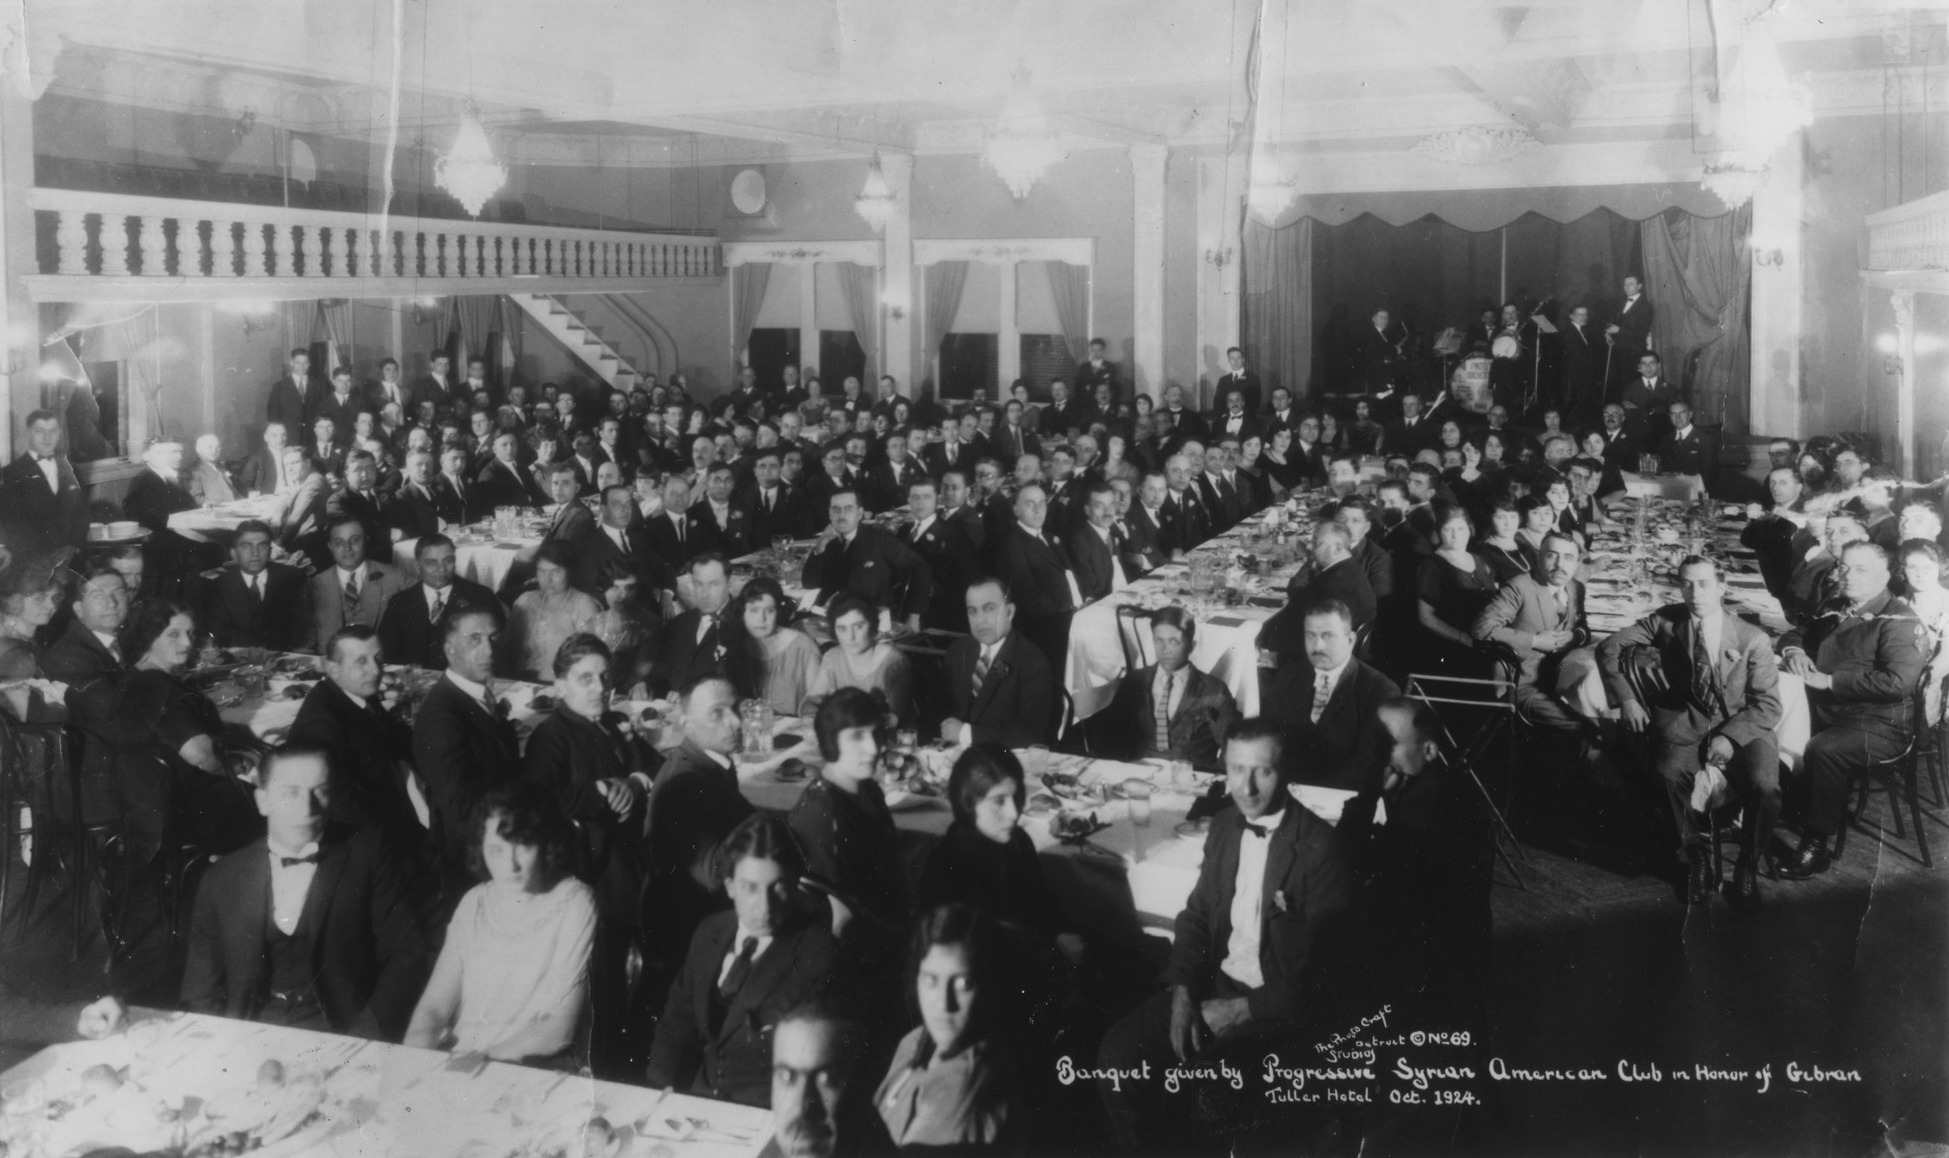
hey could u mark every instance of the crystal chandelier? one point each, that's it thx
(1023, 145)
(875, 203)
(468, 170)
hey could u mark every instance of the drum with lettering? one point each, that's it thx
(1469, 385)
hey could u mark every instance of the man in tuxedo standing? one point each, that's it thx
(1000, 686)
(1629, 330)
(1244, 381)
(1254, 947)
(307, 926)
(257, 602)
(413, 627)
(45, 504)
(292, 396)
(463, 744)
(1584, 353)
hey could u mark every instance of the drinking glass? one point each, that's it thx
(756, 716)
(908, 739)
(1138, 793)
(1181, 778)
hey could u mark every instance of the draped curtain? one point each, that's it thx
(1698, 276)
(335, 324)
(136, 342)
(859, 285)
(748, 282)
(945, 281)
(473, 316)
(1278, 336)
(1070, 285)
(509, 321)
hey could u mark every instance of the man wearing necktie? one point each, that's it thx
(1861, 658)
(1169, 709)
(692, 645)
(1647, 395)
(1331, 702)
(256, 602)
(951, 556)
(388, 388)
(1039, 573)
(463, 744)
(1538, 622)
(353, 589)
(413, 627)
(1097, 547)
(745, 969)
(1189, 522)
(1254, 948)
(309, 925)
(1705, 687)
(369, 751)
(870, 561)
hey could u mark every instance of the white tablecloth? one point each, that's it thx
(487, 564)
(222, 519)
(378, 1099)
(1227, 647)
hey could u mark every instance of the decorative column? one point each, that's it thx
(1147, 165)
(20, 327)
(1219, 244)
(1903, 302)
(1008, 345)
(900, 357)
(809, 318)
(1778, 296)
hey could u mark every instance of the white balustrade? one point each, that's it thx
(223, 249)
(115, 245)
(1910, 236)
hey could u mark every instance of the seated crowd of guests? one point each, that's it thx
(412, 871)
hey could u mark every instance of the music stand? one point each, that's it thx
(1501, 711)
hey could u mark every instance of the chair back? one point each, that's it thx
(36, 764)
(1133, 634)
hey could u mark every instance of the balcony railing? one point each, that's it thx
(1912, 236)
(89, 239)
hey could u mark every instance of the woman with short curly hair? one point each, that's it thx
(512, 981)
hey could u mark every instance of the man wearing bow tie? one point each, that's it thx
(1861, 657)
(1185, 421)
(463, 744)
(45, 505)
(310, 925)
(1246, 382)
(1254, 948)
(1704, 685)
(1629, 330)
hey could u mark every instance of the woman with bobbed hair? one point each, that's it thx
(842, 822)
(954, 1079)
(985, 859)
(541, 619)
(863, 660)
(31, 589)
(765, 659)
(512, 981)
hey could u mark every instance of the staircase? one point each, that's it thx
(581, 339)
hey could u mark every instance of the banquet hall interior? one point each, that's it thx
(1518, 430)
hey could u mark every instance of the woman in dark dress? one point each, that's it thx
(171, 773)
(1255, 489)
(1282, 472)
(1451, 588)
(1506, 555)
(843, 825)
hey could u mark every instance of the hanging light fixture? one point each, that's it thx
(1023, 145)
(468, 169)
(875, 203)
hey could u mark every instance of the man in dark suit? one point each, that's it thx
(1647, 395)
(1239, 992)
(153, 496)
(693, 806)
(456, 497)
(568, 516)
(1096, 370)
(89, 651)
(1064, 413)
(306, 926)
(369, 751)
(1335, 575)
(1621, 445)
(722, 522)
(1629, 330)
(1012, 437)
(956, 449)
(292, 395)
(1220, 494)
(258, 602)
(1329, 703)
(341, 404)
(1861, 656)
(414, 511)
(360, 499)
(1098, 548)
(949, 554)
(1149, 524)
(1233, 420)
(1245, 382)
(1703, 683)
(1189, 522)
(1000, 686)
(1411, 432)
(614, 536)
(1038, 574)
(1771, 531)
(436, 386)
(869, 561)
(1375, 352)
(1185, 422)
(463, 744)
(675, 534)
(1584, 353)
(1687, 449)
(745, 969)
(1169, 709)
(45, 504)
(264, 469)
(692, 645)
(888, 481)
(413, 626)
(502, 482)
(777, 508)
(327, 453)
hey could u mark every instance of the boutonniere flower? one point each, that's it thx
(1279, 901)
(1732, 653)
(1001, 667)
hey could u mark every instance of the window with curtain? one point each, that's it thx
(840, 355)
(771, 350)
(1045, 357)
(968, 363)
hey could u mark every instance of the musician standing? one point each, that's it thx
(1378, 354)
(1583, 367)
(1630, 330)
(1511, 370)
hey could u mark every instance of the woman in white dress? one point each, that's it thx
(541, 619)
(512, 981)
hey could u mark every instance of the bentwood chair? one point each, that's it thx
(1132, 631)
(1897, 777)
(44, 832)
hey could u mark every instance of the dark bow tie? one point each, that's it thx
(289, 861)
(1265, 831)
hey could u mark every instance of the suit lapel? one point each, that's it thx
(253, 900)
(331, 866)
(767, 973)
(1278, 862)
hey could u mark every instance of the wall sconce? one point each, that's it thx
(1891, 362)
(246, 121)
(1772, 257)
(1219, 258)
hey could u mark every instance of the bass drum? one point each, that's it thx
(1469, 385)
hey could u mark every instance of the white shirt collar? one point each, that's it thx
(477, 691)
(1332, 676)
(1683, 432)
(436, 593)
(276, 850)
(345, 576)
